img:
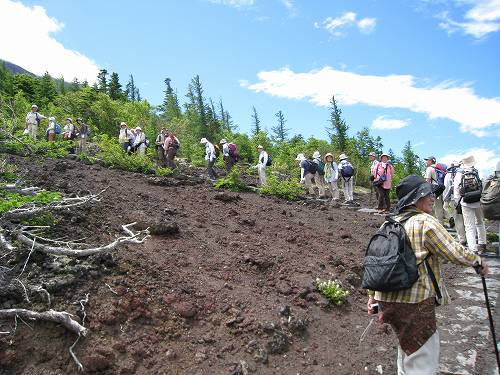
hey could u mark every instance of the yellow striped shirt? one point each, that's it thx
(428, 236)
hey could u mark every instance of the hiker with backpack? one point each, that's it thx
(490, 197)
(456, 219)
(159, 145)
(264, 161)
(140, 143)
(171, 146)
(83, 134)
(319, 178)
(32, 122)
(384, 173)
(50, 132)
(403, 275)
(435, 177)
(372, 156)
(467, 188)
(332, 176)
(308, 171)
(210, 157)
(229, 153)
(347, 176)
(68, 130)
(125, 137)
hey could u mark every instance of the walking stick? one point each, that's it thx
(490, 317)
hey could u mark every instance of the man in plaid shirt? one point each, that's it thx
(411, 312)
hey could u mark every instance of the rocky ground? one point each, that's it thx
(224, 285)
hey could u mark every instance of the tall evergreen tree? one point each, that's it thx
(411, 162)
(61, 86)
(255, 122)
(46, 89)
(102, 81)
(85, 83)
(75, 85)
(114, 87)
(130, 89)
(200, 101)
(213, 112)
(337, 131)
(222, 113)
(366, 143)
(392, 156)
(170, 106)
(138, 97)
(280, 133)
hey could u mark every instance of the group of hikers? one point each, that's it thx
(68, 132)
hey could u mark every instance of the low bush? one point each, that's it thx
(332, 291)
(112, 155)
(9, 201)
(163, 172)
(232, 181)
(287, 189)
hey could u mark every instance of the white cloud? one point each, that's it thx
(27, 41)
(480, 20)
(335, 26)
(288, 4)
(234, 3)
(486, 159)
(475, 114)
(384, 123)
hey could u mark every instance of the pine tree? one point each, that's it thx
(392, 156)
(137, 95)
(200, 101)
(114, 87)
(61, 86)
(85, 84)
(365, 143)
(46, 89)
(130, 89)
(170, 106)
(222, 113)
(75, 85)
(102, 81)
(255, 122)
(411, 162)
(338, 129)
(280, 133)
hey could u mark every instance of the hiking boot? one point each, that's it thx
(481, 249)
(451, 222)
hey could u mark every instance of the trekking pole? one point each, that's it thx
(490, 317)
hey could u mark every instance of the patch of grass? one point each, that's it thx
(58, 149)
(163, 172)
(232, 181)
(112, 154)
(332, 291)
(9, 201)
(286, 189)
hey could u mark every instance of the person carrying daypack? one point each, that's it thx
(319, 176)
(51, 130)
(171, 146)
(384, 174)
(402, 273)
(159, 145)
(467, 193)
(140, 142)
(456, 219)
(332, 176)
(210, 157)
(229, 153)
(347, 175)
(431, 175)
(490, 197)
(308, 170)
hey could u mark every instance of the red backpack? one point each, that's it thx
(233, 152)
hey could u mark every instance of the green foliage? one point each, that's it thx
(287, 189)
(163, 172)
(10, 200)
(113, 156)
(43, 219)
(332, 290)
(232, 181)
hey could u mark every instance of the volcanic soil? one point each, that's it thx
(223, 286)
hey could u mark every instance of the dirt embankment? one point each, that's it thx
(223, 287)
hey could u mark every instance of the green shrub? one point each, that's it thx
(287, 189)
(332, 291)
(43, 219)
(58, 149)
(112, 154)
(8, 173)
(10, 200)
(163, 172)
(232, 181)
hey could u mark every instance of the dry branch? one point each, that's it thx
(132, 237)
(60, 317)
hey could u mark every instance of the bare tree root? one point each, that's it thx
(136, 238)
(60, 317)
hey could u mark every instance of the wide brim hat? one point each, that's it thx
(372, 154)
(430, 158)
(34, 106)
(410, 190)
(342, 156)
(384, 154)
(260, 146)
(468, 162)
(123, 124)
(329, 154)
(316, 155)
(223, 141)
(203, 140)
(300, 157)
(138, 128)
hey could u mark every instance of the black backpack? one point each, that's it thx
(490, 198)
(390, 263)
(312, 167)
(269, 161)
(471, 186)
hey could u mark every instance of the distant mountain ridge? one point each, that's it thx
(16, 69)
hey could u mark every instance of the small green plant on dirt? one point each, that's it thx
(163, 172)
(232, 181)
(9, 201)
(58, 149)
(287, 189)
(43, 219)
(492, 237)
(7, 172)
(332, 291)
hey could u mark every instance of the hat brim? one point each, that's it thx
(413, 196)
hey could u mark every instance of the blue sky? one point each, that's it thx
(420, 70)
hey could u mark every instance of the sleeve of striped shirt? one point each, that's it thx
(438, 241)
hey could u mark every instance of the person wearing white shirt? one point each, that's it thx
(32, 122)
(332, 176)
(68, 130)
(262, 164)
(51, 130)
(449, 203)
(139, 144)
(125, 138)
(472, 211)
(210, 157)
(347, 182)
